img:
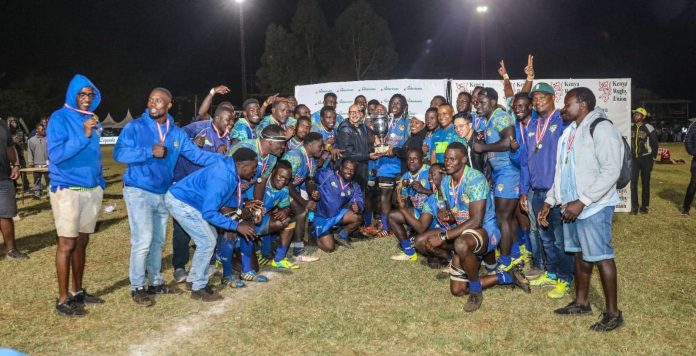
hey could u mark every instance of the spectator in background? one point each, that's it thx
(44, 122)
(690, 144)
(20, 143)
(38, 157)
(644, 151)
(8, 204)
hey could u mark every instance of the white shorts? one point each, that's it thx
(76, 211)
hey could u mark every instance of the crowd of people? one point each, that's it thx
(493, 190)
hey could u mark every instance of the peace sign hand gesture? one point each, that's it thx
(529, 69)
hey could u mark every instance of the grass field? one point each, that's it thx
(354, 301)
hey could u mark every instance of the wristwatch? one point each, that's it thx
(443, 235)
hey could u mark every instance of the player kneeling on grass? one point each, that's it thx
(303, 189)
(466, 193)
(340, 205)
(276, 220)
(415, 189)
(195, 202)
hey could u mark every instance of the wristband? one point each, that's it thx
(506, 76)
(443, 236)
(212, 91)
(530, 78)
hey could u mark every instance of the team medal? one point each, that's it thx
(258, 180)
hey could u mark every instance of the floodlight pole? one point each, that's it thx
(243, 48)
(481, 10)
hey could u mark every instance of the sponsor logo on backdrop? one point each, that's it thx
(108, 140)
(619, 90)
(345, 89)
(367, 89)
(322, 91)
(557, 89)
(388, 88)
(604, 90)
(412, 88)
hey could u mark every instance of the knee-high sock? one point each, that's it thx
(247, 249)
(503, 278)
(475, 286)
(407, 247)
(385, 221)
(515, 250)
(267, 245)
(281, 251)
(522, 236)
(527, 240)
(226, 250)
(367, 218)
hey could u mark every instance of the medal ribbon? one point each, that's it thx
(309, 162)
(541, 133)
(239, 192)
(340, 181)
(265, 162)
(522, 135)
(227, 131)
(569, 144)
(455, 190)
(159, 130)
(85, 112)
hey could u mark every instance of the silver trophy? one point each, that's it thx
(380, 126)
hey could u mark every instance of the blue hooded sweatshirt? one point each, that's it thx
(209, 189)
(155, 175)
(75, 159)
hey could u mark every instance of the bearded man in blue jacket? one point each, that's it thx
(151, 146)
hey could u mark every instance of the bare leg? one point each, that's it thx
(64, 250)
(8, 233)
(607, 272)
(505, 212)
(326, 243)
(583, 274)
(396, 223)
(77, 260)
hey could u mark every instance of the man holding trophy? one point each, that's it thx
(392, 133)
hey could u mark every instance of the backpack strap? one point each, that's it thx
(594, 124)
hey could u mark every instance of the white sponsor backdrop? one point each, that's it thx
(418, 93)
(613, 95)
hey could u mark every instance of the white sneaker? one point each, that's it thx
(306, 258)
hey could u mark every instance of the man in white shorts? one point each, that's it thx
(77, 187)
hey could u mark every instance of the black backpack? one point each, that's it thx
(627, 162)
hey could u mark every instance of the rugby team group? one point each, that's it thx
(492, 189)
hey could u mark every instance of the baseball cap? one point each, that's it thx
(641, 111)
(542, 87)
(419, 118)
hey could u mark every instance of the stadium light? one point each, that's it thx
(480, 9)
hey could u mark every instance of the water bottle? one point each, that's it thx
(310, 216)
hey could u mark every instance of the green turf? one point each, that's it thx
(354, 301)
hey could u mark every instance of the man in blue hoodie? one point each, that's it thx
(196, 201)
(151, 145)
(77, 187)
(212, 136)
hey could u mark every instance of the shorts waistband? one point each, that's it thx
(55, 188)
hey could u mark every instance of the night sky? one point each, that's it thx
(189, 46)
